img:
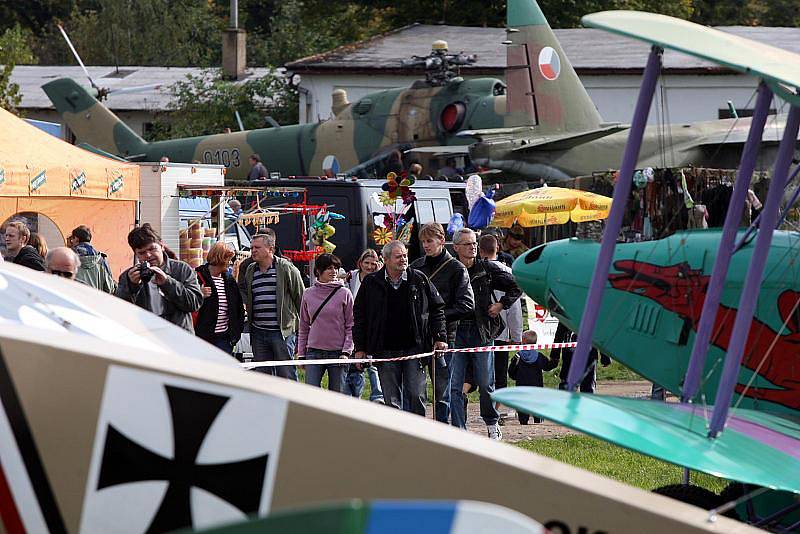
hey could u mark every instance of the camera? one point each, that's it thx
(145, 272)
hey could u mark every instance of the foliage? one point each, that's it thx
(144, 32)
(14, 49)
(207, 103)
(615, 462)
(296, 29)
(34, 15)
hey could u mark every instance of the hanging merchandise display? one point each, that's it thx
(397, 198)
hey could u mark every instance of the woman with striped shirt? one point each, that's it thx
(220, 320)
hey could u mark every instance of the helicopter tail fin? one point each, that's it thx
(543, 88)
(91, 121)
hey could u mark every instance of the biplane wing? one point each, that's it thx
(755, 448)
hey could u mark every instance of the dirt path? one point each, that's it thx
(513, 431)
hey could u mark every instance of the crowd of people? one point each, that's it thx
(386, 308)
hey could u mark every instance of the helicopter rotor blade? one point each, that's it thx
(136, 89)
(75, 53)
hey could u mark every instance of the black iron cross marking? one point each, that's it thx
(124, 461)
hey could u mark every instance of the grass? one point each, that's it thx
(615, 462)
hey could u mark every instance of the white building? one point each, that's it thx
(610, 67)
(137, 109)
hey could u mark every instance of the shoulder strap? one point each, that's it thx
(324, 302)
(200, 277)
(440, 267)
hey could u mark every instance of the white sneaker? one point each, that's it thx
(494, 432)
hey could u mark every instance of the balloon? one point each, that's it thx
(456, 223)
(474, 189)
(328, 247)
(482, 212)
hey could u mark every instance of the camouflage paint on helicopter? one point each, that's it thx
(653, 306)
(428, 114)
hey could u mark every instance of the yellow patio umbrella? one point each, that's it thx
(550, 205)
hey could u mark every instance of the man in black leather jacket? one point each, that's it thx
(452, 282)
(480, 330)
(398, 312)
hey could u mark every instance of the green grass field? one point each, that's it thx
(615, 462)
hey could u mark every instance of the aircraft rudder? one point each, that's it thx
(524, 13)
(542, 83)
(91, 121)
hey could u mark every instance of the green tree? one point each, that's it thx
(296, 29)
(34, 15)
(14, 50)
(207, 104)
(145, 32)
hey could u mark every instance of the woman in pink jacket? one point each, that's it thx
(326, 324)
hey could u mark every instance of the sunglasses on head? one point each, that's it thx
(63, 274)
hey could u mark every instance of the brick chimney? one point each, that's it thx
(234, 52)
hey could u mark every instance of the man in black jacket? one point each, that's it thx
(17, 236)
(480, 330)
(398, 312)
(451, 280)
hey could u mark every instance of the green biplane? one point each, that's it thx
(710, 314)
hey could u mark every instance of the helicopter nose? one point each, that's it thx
(530, 271)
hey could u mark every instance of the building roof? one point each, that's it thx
(590, 51)
(30, 79)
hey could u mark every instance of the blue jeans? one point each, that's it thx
(376, 393)
(291, 344)
(336, 372)
(270, 345)
(483, 364)
(354, 383)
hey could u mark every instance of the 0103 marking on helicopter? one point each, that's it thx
(224, 157)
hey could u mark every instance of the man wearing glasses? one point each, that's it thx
(157, 283)
(480, 330)
(63, 262)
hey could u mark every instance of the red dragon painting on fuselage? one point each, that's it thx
(681, 289)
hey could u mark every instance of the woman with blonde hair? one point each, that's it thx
(220, 320)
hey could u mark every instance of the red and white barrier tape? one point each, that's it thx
(335, 361)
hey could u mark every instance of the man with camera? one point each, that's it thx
(164, 286)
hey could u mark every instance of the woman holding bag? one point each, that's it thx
(326, 324)
(220, 320)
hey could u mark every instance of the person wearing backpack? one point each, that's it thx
(326, 324)
(93, 269)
